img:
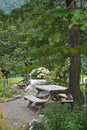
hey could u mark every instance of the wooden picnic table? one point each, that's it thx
(53, 91)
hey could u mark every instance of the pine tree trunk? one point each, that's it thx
(75, 60)
(74, 79)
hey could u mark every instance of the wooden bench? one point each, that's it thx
(63, 96)
(37, 101)
(63, 101)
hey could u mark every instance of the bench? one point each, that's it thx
(70, 101)
(37, 101)
(63, 96)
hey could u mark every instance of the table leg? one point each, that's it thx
(29, 104)
(37, 93)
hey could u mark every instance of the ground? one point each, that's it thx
(16, 112)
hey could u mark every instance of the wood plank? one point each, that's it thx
(34, 99)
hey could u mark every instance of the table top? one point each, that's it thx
(50, 87)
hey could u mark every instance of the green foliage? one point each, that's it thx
(21, 68)
(60, 117)
(36, 125)
(84, 65)
(60, 74)
(1, 115)
(1, 85)
(39, 73)
(13, 80)
(9, 90)
(36, 34)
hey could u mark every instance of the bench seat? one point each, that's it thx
(34, 99)
(66, 101)
(65, 96)
(63, 101)
(62, 95)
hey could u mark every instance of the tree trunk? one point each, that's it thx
(75, 60)
(75, 67)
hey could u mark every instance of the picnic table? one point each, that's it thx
(53, 91)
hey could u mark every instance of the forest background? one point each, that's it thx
(31, 36)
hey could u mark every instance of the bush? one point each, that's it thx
(60, 117)
(8, 90)
(36, 125)
(59, 75)
(39, 73)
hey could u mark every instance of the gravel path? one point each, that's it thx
(17, 112)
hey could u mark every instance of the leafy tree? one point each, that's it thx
(49, 37)
(46, 33)
(47, 22)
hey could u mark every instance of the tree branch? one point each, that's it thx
(70, 4)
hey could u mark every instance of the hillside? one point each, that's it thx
(8, 5)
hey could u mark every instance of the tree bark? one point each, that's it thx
(74, 79)
(75, 60)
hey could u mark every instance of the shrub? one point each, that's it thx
(60, 74)
(36, 125)
(60, 117)
(39, 73)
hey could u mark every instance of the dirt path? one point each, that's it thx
(18, 113)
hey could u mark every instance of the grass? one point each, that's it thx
(11, 81)
(15, 79)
